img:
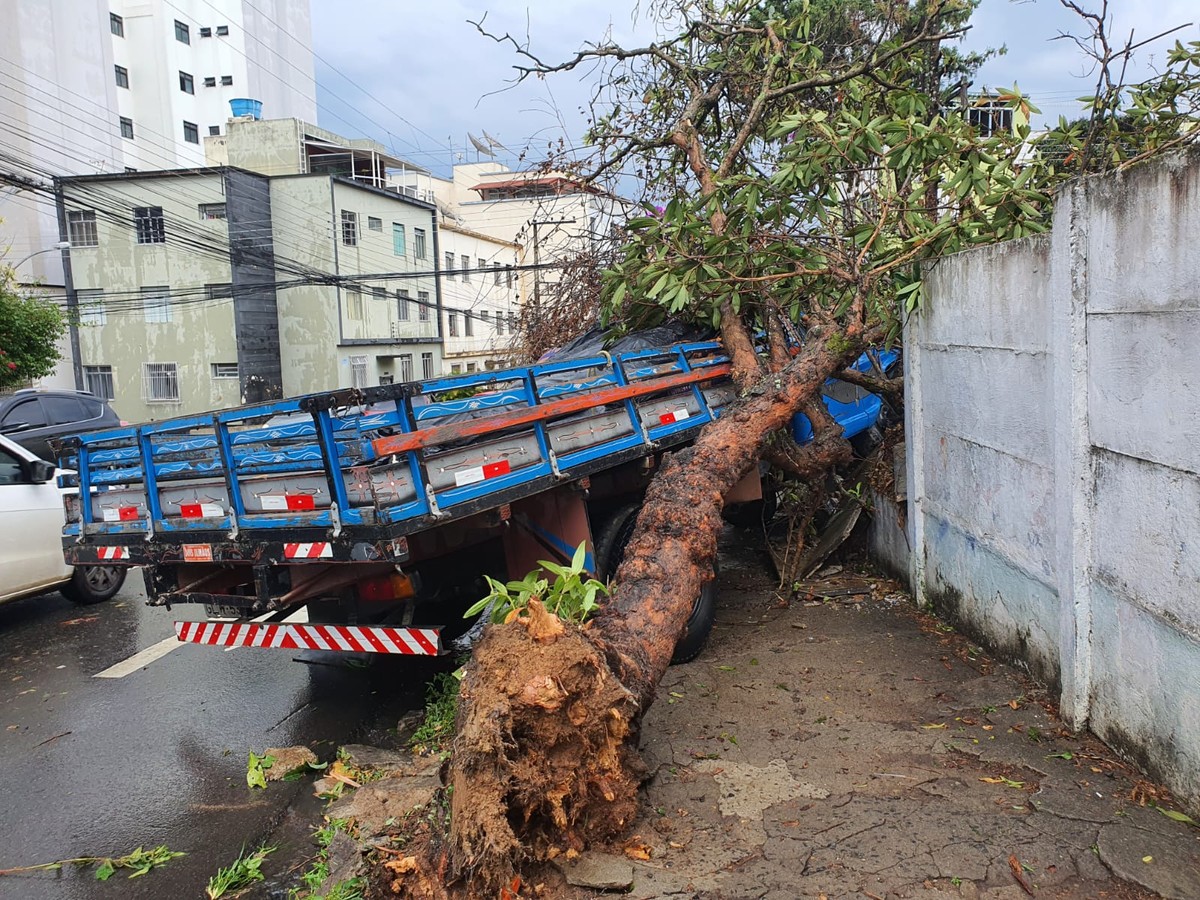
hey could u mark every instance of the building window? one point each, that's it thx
(91, 308)
(156, 305)
(210, 81)
(214, 292)
(187, 84)
(455, 369)
(99, 380)
(227, 80)
(472, 367)
(508, 276)
(160, 382)
(422, 306)
(466, 268)
(122, 76)
(449, 271)
(205, 32)
(151, 229)
(375, 224)
(81, 228)
(214, 130)
(418, 243)
(212, 210)
(991, 117)
(496, 273)
(116, 25)
(452, 324)
(354, 304)
(379, 293)
(349, 228)
(468, 325)
(224, 370)
(402, 305)
(222, 30)
(406, 370)
(398, 243)
(182, 34)
(483, 316)
(126, 128)
(426, 365)
(358, 371)
(191, 133)
(512, 323)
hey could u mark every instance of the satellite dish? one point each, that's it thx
(492, 142)
(480, 145)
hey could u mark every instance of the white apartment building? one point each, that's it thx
(479, 299)
(106, 86)
(550, 215)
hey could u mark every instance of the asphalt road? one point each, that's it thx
(99, 766)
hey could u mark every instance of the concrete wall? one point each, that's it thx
(1054, 457)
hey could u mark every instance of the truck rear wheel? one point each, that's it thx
(610, 545)
(93, 584)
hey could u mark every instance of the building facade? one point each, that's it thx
(93, 86)
(205, 288)
(479, 299)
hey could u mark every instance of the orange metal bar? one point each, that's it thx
(401, 443)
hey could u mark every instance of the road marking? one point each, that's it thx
(155, 652)
(140, 659)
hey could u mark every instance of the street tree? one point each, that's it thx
(30, 328)
(803, 184)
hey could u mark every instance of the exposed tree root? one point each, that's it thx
(543, 757)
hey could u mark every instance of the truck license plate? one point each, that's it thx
(222, 611)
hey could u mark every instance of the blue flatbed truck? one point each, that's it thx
(363, 520)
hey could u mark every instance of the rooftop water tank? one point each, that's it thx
(243, 106)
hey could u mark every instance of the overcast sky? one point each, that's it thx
(419, 77)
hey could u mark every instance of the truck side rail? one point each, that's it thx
(369, 460)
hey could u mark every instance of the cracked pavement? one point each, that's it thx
(858, 748)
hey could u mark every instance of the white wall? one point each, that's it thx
(1054, 457)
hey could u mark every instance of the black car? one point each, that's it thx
(32, 417)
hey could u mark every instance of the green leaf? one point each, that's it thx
(105, 870)
(1177, 816)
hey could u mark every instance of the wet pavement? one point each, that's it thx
(100, 766)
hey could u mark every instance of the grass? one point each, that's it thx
(241, 874)
(318, 872)
(441, 706)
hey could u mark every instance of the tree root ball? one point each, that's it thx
(544, 750)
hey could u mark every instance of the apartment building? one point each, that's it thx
(480, 289)
(105, 86)
(208, 287)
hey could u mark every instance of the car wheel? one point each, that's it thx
(610, 550)
(94, 584)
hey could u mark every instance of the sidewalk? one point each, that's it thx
(854, 747)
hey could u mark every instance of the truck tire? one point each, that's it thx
(610, 546)
(93, 584)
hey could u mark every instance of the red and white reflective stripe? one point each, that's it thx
(121, 514)
(350, 638)
(112, 552)
(477, 474)
(318, 550)
(675, 415)
(201, 510)
(290, 502)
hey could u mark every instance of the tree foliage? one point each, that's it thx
(30, 327)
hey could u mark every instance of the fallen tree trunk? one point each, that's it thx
(545, 759)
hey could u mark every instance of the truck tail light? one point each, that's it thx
(390, 587)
